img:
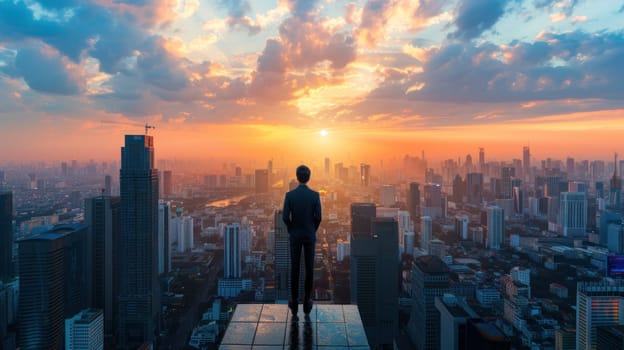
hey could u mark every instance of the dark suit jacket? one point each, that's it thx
(302, 213)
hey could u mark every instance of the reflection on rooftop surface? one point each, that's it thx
(271, 326)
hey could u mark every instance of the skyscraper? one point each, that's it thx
(526, 163)
(573, 214)
(430, 279)
(481, 159)
(433, 200)
(361, 216)
(6, 236)
(167, 183)
(365, 174)
(139, 289)
(282, 260)
(597, 304)
(495, 227)
(262, 181)
(102, 214)
(326, 166)
(375, 281)
(426, 234)
(108, 185)
(232, 252)
(413, 202)
(54, 284)
(245, 238)
(507, 173)
(474, 188)
(164, 248)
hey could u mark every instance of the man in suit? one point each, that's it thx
(302, 216)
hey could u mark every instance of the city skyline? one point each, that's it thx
(221, 79)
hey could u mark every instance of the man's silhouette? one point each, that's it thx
(302, 216)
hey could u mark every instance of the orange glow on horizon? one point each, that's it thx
(587, 134)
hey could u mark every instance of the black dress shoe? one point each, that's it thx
(307, 306)
(293, 306)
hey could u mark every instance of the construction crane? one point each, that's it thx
(147, 127)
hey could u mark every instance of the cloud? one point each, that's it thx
(375, 16)
(473, 17)
(564, 6)
(302, 8)
(45, 70)
(237, 16)
(307, 54)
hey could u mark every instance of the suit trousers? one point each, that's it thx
(296, 246)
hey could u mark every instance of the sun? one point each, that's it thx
(323, 132)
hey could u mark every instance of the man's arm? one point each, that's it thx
(286, 213)
(318, 215)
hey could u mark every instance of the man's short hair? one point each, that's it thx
(303, 174)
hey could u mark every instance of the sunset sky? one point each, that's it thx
(237, 78)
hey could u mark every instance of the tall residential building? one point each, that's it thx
(54, 284)
(474, 188)
(573, 214)
(102, 214)
(282, 260)
(430, 279)
(597, 304)
(182, 228)
(164, 248)
(167, 183)
(139, 289)
(365, 174)
(232, 251)
(374, 281)
(85, 330)
(495, 227)
(262, 181)
(413, 202)
(426, 232)
(6, 236)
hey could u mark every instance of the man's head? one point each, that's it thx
(303, 174)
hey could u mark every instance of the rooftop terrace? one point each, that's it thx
(271, 326)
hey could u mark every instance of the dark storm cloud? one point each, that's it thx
(473, 17)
